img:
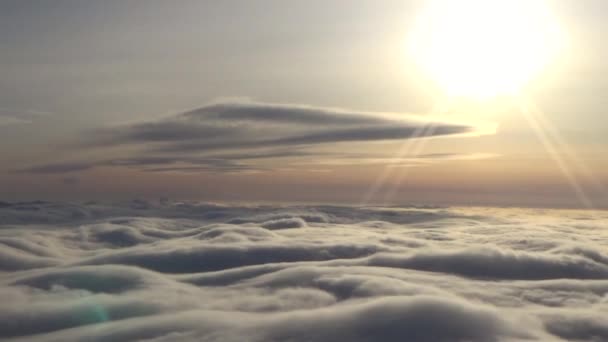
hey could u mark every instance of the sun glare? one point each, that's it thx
(485, 48)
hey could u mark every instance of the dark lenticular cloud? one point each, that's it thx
(242, 125)
(228, 137)
(178, 271)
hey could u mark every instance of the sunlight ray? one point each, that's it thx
(411, 147)
(531, 113)
(565, 147)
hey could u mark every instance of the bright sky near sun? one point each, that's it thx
(482, 48)
(305, 100)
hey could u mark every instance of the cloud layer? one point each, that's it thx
(251, 124)
(202, 272)
(236, 136)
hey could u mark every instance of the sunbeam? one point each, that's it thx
(410, 147)
(532, 114)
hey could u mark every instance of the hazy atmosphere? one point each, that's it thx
(243, 101)
(322, 170)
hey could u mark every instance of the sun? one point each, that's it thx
(485, 48)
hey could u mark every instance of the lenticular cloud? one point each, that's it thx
(200, 272)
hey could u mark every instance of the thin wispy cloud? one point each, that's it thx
(12, 116)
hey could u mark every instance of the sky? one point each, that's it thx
(284, 101)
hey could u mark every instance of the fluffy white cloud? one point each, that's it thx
(200, 272)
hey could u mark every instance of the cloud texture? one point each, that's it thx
(237, 136)
(252, 124)
(202, 272)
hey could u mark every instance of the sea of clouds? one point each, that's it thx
(202, 272)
